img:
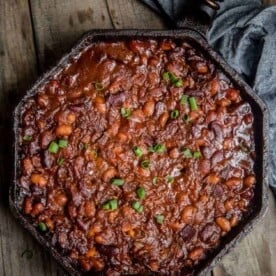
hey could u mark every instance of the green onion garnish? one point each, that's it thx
(193, 104)
(169, 179)
(60, 161)
(62, 143)
(137, 151)
(159, 148)
(137, 206)
(28, 253)
(178, 83)
(27, 138)
(186, 118)
(197, 154)
(154, 180)
(117, 182)
(187, 153)
(174, 114)
(110, 205)
(141, 192)
(53, 147)
(42, 227)
(125, 112)
(166, 76)
(159, 219)
(99, 86)
(145, 164)
(184, 99)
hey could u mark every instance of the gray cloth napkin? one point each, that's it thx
(244, 33)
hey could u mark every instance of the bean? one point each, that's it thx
(63, 130)
(49, 223)
(229, 205)
(148, 108)
(37, 209)
(154, 266)
(122, 137)
(187, 214)
(109, 174)
(214, 87)
(249, 180)
(224, 224)
(98, 264)
(174, 153)
(143, 172)
(201, 68)
(234, 220)
(101, 239)
(43, 100)
(163, 118)
(28, 206)
(223, 102)
(91, 252)
(89, 209)
(232, 94)
(211, 116)
(27, 166)
(204, 166)
(213, 179)
(234, 183)
(61, 199)
(94, 229)
(196, 253)
(100, 104)
(114, 128)
(38, 179)
(137, 116)
(85, 264)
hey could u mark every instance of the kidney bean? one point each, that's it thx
(216, 158)
(210, 234)
(224, 224)
(187, 233)
(163, 119)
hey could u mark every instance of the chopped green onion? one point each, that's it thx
(186, 118)
(63, 143)
(178, 83)
(187, 153)
(166, 76)
(42, 227)
(28, 253)
(174, 114)
(154, 180)
(27, 138)
(184, 99)
(137, 206)
(141, 192)
(98, 86)
(159, 148)
(117, 182)
(53, 147)
(125, 112)
(85, 145)
(145, 164)
(197, 154)
(137, 151)
(159, 219)
(193, 104)
(169, 179)
(60, 161)
(110, 205)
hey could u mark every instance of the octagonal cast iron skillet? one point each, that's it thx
(193, 31)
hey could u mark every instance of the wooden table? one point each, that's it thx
(33, 35)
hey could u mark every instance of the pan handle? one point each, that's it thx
(198, 16)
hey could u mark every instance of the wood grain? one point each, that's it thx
(17, 71)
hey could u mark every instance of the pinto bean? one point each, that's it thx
(148, 108)
(63, 130)
(196, 254)
(38, 179)
(224, 224)
(187, 214)
(109, 174)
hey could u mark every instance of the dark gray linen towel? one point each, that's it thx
(244, 33)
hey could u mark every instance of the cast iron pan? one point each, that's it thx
(194, 32)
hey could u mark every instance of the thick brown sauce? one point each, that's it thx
(113, 97)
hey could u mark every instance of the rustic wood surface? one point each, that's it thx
(33, 36)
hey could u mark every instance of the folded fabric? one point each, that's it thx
(244, 33)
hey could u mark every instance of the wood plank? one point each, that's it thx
(133, 14)
(269, 2)
(60, 23)
(17, 71)
(255, 254)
